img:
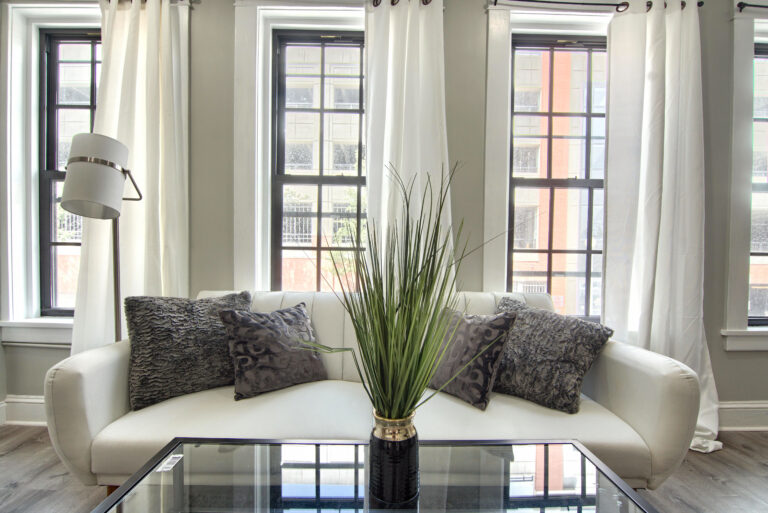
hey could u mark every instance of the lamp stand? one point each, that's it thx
(116, 276)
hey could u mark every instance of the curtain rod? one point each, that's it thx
(743, 5)
(620, 7)
(376, 3)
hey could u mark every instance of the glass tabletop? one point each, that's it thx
(198, 475)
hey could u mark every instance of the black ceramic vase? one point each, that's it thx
(393, 455)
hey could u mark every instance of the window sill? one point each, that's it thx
(750, 339)
(53, 332)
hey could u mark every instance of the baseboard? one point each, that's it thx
(25, 410)
(744, 416)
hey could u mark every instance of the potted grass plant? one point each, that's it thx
(399, 295)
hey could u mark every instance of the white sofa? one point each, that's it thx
(638, 408)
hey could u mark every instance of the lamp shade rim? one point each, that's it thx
(90, 209)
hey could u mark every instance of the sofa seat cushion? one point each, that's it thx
(340, 410)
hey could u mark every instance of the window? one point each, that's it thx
(70, 64)
(758, 255)
(557, 168)
(318, 183)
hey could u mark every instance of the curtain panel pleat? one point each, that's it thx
(406, 121)
(142, 102)
(654, 255)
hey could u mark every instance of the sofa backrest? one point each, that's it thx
(334, 328)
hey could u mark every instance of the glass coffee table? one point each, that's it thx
(226, 475)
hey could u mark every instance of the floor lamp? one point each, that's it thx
(93, 187)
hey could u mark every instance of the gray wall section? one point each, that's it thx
(27, 366)
(465, 59)
(211, 157)
(739, 376)
(3, 375)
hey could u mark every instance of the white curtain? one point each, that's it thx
(406, 127)
(142, 101)
(654, 256)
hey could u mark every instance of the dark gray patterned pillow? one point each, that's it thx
(178, 346)
(268, 351)
(472, 334)
(546, 356)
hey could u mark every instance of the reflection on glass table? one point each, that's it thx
(191, 475)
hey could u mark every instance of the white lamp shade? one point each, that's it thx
(95, 189)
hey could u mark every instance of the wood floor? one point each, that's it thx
(32, 479)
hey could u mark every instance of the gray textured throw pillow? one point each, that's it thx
(268, 352)
(178, 346)
(472, 334)
(547, 355)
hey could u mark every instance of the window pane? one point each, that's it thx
(302, 60)
(570, 84)
(569, 283)
(531, 81)
(302, 143)
(344, 261)
(70, 122)
(568, 147)
(529, 157)
(74, 83)
(98, 52)
(598, 218)
(759, 222)
(529, 272)
(342, 60)
(302, 92)
(758, 286)
(339, 216)
(341, 133)
(531, 218)
(760, 152)
(530, 125)
(569, 229)
(68, 227)
(596, 286)
(75, 52)
(342, 93)
(598, 82)
(597, 150)
(66, 264)
(299, 215)
(299, 268)
(761, 87)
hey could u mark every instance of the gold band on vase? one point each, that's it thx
(393, 430)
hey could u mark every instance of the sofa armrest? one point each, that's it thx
(83, 394)
(656, 395)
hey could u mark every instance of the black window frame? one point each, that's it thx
(552, 43)
(49, 175)
(280, 40)
(761, 50)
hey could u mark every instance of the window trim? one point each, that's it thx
(281, 38)
(253, 119)
(19, 88)
(48, 174)
(503, 20)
